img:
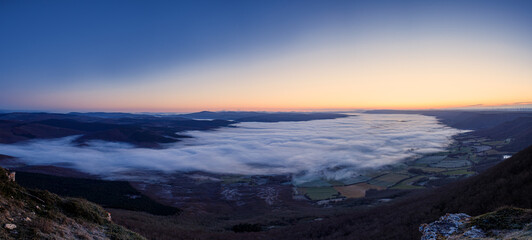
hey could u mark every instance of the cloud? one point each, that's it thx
(334, 149)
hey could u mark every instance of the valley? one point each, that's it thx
(218, 204)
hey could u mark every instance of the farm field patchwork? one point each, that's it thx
(356, 190)
(388, 180)
(457, 161)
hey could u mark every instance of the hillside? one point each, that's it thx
(518, 130)
(35, 214)
(138, 130)
(506, 184)
(470, 120)
(109, 194)
(263, 116)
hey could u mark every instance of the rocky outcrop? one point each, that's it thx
(505, 223)
(444, 227)
(36, 214)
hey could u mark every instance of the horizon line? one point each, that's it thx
(522, 106)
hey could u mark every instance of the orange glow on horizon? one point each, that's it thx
(427, 72)
(295, 108)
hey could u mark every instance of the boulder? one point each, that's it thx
(444, 227)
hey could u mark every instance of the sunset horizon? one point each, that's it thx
(523, 106)
(344, 55)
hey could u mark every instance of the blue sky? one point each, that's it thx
(57, 41)
(51, 52)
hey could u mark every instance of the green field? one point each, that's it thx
(408, 183)
(459, 172)
(354, 180)
(336, 182)
(406, 186)
(430, 159)
(451, 163)
(229, 179)
(464, 150)
(315, 183)
(319, 193)
(431, 169)
(495, 143)
(388, 179)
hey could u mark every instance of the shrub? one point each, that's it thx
(503, 218)
(81, 208)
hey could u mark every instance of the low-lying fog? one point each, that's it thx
(334, 149)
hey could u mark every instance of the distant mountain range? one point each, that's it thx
(140, 130)
(495, 125)
(264, 116)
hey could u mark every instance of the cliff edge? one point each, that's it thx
(37, 214)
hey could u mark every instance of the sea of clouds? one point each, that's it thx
(333, 149)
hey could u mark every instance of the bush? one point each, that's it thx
(503, 218)
(80, 208)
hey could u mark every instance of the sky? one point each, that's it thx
(182, 56)
(340, 148)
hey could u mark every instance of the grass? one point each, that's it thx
(235, 179)
(81, 208)
(465, 150)
(494, 143)
(116, 232)
(492, 152)
(335, 183)
(388, 179)
(475, 158)
(451, 163)
(319, 193)
(354, 180)
(503, 218)
(52, 216)
(431, 169)
(459, 172)
(315, 183)
(406, 186)
(356, 190)
(430, 159)
(408, 183)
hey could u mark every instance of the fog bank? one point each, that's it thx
(335, 149)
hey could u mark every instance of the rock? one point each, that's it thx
(444, 227)
(10, 226)
(27, 219)
(11, 176)
(452, 226)
(474, 232)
